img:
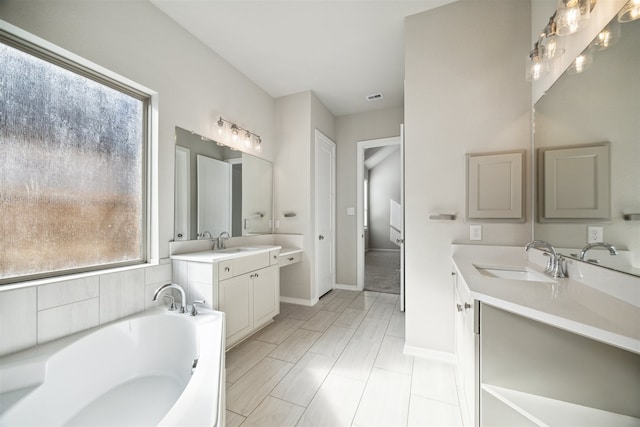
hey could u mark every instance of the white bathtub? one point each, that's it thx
(134, 372)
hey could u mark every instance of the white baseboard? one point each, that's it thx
(347, 287)
(299, 301)
(426, 353)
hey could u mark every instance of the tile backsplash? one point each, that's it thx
(37, 314)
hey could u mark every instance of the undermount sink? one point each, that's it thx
(234, 250)
(513, 273)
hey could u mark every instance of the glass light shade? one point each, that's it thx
(607, 37)
(536, 64)
(234, 132)
(258, 145)
(630, 11)
(572, 15)
(247, 140)
(552, 48)
(581, 63)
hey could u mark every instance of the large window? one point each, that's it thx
(72, 166)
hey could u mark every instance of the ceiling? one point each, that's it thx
(342, 50)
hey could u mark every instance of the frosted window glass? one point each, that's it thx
(72, 170)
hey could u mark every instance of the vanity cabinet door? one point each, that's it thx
(266, 294)
(237, 304)
(465, 340)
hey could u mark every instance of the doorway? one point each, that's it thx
(380, 257)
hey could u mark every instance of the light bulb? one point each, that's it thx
(607, 37)
(536, 65)
(581, 63)
(220, 127)
(247, 139)
(258, 144)
(572, 15)
(234, 132)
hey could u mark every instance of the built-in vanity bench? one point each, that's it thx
(243, 282)
(534, 350)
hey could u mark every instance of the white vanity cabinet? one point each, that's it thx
(244, 285)
(466, 344)
(249, 301)
(542, 353)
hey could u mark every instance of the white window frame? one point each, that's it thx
(25, 41)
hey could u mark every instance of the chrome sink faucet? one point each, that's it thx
(555, 267)
(610, 247)
(219, 242)
(183, 299)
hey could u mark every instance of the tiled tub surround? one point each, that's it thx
(149, 355)
(35, 314)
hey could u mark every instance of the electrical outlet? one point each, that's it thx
(475, 232)
(595, 234)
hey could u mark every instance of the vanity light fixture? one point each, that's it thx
(630, 11)
(537, 65)
(251, 140)
(573, 15)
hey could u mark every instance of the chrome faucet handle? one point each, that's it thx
(560, 269)
(172, 306)
(194, 312)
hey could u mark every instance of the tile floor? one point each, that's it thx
(338, 363)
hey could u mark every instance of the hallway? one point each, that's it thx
(338, 363)
(382, 271)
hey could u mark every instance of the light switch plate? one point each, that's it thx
(351, 211)
(595, 234)
(475, 232)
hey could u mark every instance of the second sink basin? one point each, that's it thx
(513, 273)
(234, 250)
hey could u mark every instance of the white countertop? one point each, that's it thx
(567, 304)
(212, 256)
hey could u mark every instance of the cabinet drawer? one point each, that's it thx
(249, 263)
(273, 256)
(225, 270)
(287, 259)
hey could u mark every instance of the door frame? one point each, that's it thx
(320, 137)
(361, 147)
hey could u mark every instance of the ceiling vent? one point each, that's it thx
(374, 96)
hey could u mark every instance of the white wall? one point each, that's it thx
(464, 93)
(297, 117)
(195, 86)
(349, 130)
(384, 185)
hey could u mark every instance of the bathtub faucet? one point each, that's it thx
(183, 300)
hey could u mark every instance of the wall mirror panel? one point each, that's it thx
(594, 104)
(219, 189)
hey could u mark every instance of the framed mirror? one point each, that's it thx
(219, 189)
(587, 145)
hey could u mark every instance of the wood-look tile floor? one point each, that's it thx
(338, 363)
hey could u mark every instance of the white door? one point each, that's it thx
(214, 196)
(401, 238)
(183, 194)
(325, 178)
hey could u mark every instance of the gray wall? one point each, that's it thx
(349, 130)
(384, 185)
(464, 94)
